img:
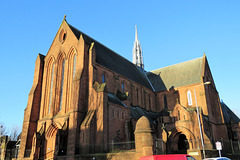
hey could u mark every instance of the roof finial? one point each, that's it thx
(65, 17)
(204, 53)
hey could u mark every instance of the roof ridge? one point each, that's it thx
(111, 54)
(92, 39)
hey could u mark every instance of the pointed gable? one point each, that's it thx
(63, 37)
(177, 75)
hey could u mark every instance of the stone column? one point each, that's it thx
(143, 137)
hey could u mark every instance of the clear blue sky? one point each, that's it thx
(169, 31)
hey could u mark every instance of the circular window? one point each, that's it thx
(62, 36)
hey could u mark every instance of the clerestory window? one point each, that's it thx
(103, 78)
(122, 87)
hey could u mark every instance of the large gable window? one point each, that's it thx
(50, 93)
(71, 72)
(189, 96)
(61, 88)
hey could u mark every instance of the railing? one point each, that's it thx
(228, 146)
(120, 146)
(159, 146)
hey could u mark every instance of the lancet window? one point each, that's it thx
(122, 87)
(74, 65)
(189, 96)
(61, 85)
(51, 88)
(71, 72)
(103, 78)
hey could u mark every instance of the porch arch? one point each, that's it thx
(177, 134)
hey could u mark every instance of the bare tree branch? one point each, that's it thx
(3, 129)
(14, 133)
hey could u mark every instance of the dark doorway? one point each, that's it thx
(42, 147)
(182, 144)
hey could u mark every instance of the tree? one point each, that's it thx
(3, 129)
(14, 133)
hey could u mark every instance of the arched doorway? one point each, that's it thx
(177, 144)
(50, 142)
(180, 140)
(183, 144)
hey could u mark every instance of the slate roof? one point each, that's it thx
(228, 114)
(137, 112)
(113, 99)
(113, 61)
(182, 74)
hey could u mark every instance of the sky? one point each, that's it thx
(170, 32)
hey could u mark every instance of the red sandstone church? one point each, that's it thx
(87, 99)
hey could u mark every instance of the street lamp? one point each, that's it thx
(199, 120)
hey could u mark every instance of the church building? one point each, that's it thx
(86, 99)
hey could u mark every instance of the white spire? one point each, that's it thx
(136, 35)
(137, 52)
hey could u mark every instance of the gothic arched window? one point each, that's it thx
(103, 78)
(122, 87)
(74, 66)
(71, 72)
(61, 85)
(51, 86)
(189, 96)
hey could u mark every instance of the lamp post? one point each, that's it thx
(199, 121)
